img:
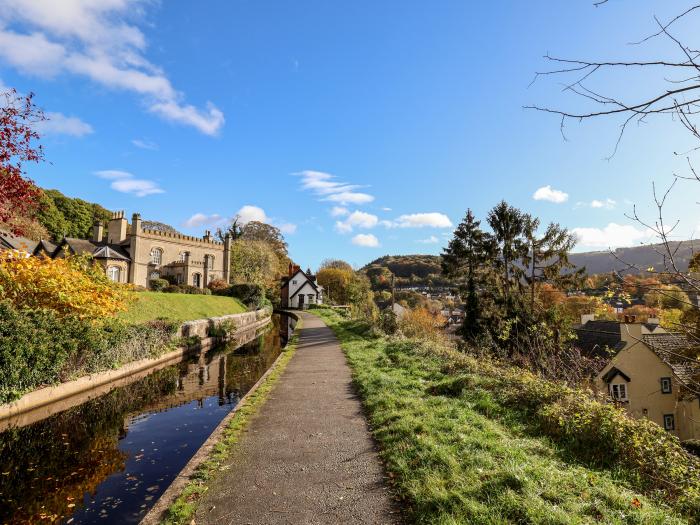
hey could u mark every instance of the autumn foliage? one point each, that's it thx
(70, 286)
(18, 195)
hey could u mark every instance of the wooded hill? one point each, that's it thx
(424, 270)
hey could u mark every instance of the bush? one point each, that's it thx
(217, 286)
(692, 446)
(252, 295)
(158, 285)
(70, 286)
(186, 289)
(420, 323)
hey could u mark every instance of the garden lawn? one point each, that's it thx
(459, 457)
(148, 306)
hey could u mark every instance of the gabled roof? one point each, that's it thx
(595, 338)
(15, 242)
(302, 286)
(48, 247)
(97, 250)
(672, 349)
(286, 280)
(110, 252)
(614, 372)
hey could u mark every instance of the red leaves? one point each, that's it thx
(18, 195)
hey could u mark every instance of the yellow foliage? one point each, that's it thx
(419, 322)
(70, 286)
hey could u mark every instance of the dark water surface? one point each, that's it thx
(109, 459)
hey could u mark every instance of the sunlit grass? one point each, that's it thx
(147, 306)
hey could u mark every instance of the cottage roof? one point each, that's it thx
(594, 338)
(614, 372)
(97, 250)
(672, 349)
(16, 242)
(47, 246)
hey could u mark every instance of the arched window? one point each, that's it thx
(197, 280)
(156, 256)
(210, 262)
(114, 274)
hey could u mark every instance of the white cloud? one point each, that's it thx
(326, 186)
(125, 182)
(608, 204)
(357, 219)
(249, 213)
(287, 227)
(547, 193)
(144, 144)
(98, 40)
(366, 240)
(420, 220)
(386, 209)
(611, 236)
(339, 211)
(200, 219)
(60, 124)
(430, 240)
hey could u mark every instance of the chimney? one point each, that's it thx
(631, 332)
(291, 269)
(136, 224)
(116, 229)
(207, 236)
(98, 231)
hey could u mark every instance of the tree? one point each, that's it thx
(233, 230)
(547, 257)
(158, 226)
(335, 282)
(254, 262)
(18, 195)
(260, 231)
(336, 264)
(508, 225)
(463, 259)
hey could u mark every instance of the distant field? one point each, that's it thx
(179, 307)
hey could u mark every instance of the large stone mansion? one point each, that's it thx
(132, 254)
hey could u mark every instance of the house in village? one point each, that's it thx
(131, 254)
(300, 289)
(649, 371)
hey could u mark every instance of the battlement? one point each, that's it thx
(181, 237)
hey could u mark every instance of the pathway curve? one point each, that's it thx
(308, 456)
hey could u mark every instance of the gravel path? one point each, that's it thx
(308, 456)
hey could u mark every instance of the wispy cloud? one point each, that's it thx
(357, 219)
(99, 41)
(547, 193)
(420, 220)
(145, 144)
(366, 240)
(245, 214)
(328, 188)
(125, 182)
(611, 236)
(339, 211)
(60, 124)
(430, 240)
(200, 219)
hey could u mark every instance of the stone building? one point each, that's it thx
(131, 254)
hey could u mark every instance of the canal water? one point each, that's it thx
(109, 459)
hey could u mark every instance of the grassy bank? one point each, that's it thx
(179, 307)
(182, 510)
(459, 450)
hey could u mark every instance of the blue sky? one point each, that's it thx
(359, 128)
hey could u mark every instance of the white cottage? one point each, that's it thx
(300, 289)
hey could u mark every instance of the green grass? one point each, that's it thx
(182, 510)
(148, 306)
(459, 456)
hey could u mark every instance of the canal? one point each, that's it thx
(108, 460)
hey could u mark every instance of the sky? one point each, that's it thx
(358, 128)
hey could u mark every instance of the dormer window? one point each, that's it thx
(666, 385)
(618, 391)
(156, 256)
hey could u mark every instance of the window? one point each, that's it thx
(183, 256)
(666, 385)
(154, 275)
(156, 256)
(669, 422)
(294, 282)
(114, 274)
(210, 262)
(197, 280)
(178, 278)
(618, 391)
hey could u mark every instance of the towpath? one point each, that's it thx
(308, 456)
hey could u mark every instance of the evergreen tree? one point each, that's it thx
(464, 259)
(508, 225)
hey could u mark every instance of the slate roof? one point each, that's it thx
(613, 372)
(97, 250)
(595, 338)
(15, 242)
(671, 349)
(47, 246)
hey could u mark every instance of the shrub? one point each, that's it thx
(388, 321)
(250, 294)
(186, 289)
(420, 323)
(70, 286)
(218, 286)
(158, 285)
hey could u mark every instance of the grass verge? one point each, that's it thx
(457, 454)
(184, 507)
(148, 306)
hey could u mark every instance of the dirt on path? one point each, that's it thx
(308, 456)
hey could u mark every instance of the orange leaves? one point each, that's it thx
(70, 286)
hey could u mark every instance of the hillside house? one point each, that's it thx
(300, 289)
(649, 372)
(131, 254)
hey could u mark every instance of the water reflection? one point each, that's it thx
(109, 459)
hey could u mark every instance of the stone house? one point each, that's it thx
(300, 289)
(131, 254)
(649, 372)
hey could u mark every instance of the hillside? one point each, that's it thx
(422, 269)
